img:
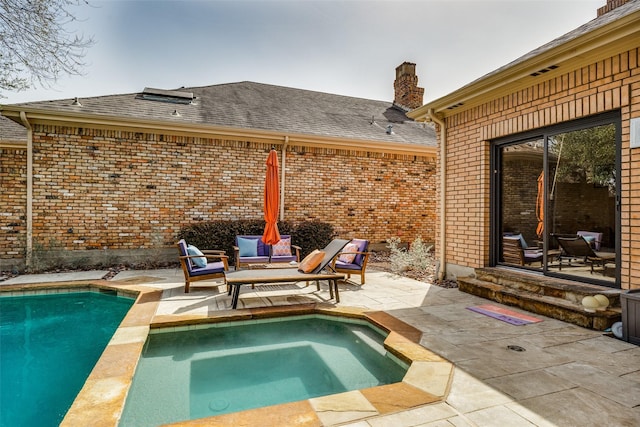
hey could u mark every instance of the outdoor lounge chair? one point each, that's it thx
(514, 253)
(206, 270)
(235, 279)
(353, 259)
(575, 247)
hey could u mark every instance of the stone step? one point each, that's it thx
(547, 286)
(550, 306)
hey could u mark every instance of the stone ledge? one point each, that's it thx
(554, 307)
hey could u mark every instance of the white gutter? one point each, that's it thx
(443, 192)
(29, 242)
(187, 128)
(283, 176)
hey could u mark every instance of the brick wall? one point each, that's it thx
(119, 190)
(13, 201)
(606, 85)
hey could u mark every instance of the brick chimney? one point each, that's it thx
(407, 92)
(611, 4)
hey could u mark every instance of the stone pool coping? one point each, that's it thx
(102, 398)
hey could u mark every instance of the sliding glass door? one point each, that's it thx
(555, 206)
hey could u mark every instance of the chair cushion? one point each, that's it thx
(282, 248)
(212, 267)
(523, 242)
(363, 245)
(263, 250)
(201, 261)
(284, 258)
(311, 261)
(248, 247)
(347, 266)
(349, 253)
(254, 259)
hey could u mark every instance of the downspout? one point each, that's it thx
(442, 271)
(29, 242)
(283, 176)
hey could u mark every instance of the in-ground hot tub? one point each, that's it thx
(208, 370)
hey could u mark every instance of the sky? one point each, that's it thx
(348, 47)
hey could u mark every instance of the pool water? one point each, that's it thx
(220, 369)
(48, 346)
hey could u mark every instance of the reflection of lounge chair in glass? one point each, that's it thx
(575, 247)
(514, 253)
(593, 238)
(323, 271)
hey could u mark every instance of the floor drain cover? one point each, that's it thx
(516, 348)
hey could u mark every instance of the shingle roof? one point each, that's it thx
(11, 131)
(257, 106)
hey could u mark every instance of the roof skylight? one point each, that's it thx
(170, 96)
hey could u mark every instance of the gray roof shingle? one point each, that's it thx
(11, 131)
(257, 106)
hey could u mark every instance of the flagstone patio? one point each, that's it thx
(564, 375)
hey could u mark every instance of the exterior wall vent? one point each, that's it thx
(544, 70)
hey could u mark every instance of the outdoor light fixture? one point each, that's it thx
(176, 114)
(76, 102)
(390, 129)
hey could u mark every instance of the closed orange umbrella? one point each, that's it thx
(540, 205)
(271, 234)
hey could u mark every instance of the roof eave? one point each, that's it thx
(579, 49)
(35, 115)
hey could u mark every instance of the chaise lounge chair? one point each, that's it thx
(235, 279)
(196, 266)
(575, 247)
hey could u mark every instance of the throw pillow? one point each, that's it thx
(349, 253)
(201, 260)
(311, 261)
(523, 242)
(248, 247)
(282, 248)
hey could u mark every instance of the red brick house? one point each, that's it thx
(544, 147)
(115, 177)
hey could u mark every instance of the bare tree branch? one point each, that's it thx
(36, 46)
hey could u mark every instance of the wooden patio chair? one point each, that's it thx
(514, 253)
(195, 268)
(353, 259)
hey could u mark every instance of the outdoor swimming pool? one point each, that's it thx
(50, 344)
(222, 368)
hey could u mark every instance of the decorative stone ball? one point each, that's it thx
(590, 304)
(603, 301)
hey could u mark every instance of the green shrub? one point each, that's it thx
(309, 235)
(415, 259)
